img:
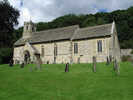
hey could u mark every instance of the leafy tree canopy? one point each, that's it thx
(123, 19)
(8, 19)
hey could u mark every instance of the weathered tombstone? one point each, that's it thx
(79, 60)
(11, 63)
(110, 58)
(108, 62)
(116, 67)
(38, 66)
(94, 64)
(67, 67)
(38, 62)
(22, 65)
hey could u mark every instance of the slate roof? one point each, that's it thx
(93, 32)
(67, 33)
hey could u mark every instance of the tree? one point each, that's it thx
(90, 21)
(8, 19)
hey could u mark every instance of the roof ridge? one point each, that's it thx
(54, 29)
(68, 33)
(91, 27)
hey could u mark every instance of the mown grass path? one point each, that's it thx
(52, 83)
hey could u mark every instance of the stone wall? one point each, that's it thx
(88, 49)
(65, 51)
(18, 55)
(126, 52)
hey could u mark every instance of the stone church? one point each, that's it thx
(70, 44)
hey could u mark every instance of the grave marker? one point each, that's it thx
(94, 64)
(67, 67)
(22, 65)
(11, 63)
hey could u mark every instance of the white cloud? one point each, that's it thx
(47, 10)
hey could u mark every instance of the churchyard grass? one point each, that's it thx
(53, 83)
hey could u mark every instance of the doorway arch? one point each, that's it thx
(26, 56)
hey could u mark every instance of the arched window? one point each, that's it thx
(75, 48)
(42, 51)
(55, 50)
(27, 57)
(99, 45)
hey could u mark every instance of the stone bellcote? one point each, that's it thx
(29, 28)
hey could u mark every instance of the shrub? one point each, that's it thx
(5, 55)
(126, 58)
(132, 52)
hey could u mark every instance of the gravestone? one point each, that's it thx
(79, 60)
(22, 65)
(38, 66)
(11, 63)
(108, 62)
(38, 62)
(110, 58)
(94, 64)
(67, 67)
(116, 67)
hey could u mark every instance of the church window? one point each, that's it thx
(99, 45)
(55, 50)
(75, 48)
(42, 50)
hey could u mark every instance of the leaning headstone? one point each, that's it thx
(67, 67)
(11, 63)
(94, 64)
(22, 65)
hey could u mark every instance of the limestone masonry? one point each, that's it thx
(68, 44)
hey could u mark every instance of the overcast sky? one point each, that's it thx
(47, 10)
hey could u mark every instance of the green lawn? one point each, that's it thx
(52, 83)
